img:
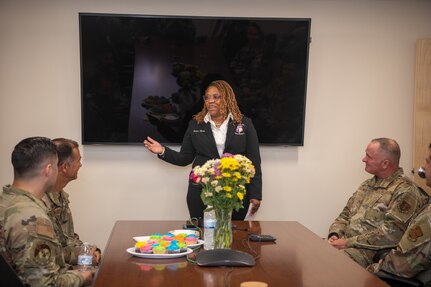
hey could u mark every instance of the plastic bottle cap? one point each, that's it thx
(253, 284)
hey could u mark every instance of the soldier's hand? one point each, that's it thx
(332, 238)
(339, 243)
(96, 255)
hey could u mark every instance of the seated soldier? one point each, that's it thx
(411, 258)
(379, 212)
(27, 238)
(57, 200)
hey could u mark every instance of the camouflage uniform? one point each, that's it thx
(377, 215)
(28, 241)
(61, 216)
(412, 256)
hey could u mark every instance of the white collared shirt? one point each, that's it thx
(219, 133)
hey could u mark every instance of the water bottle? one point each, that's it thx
(85, 258)
(209, 226)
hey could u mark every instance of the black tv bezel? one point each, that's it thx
(82, 14)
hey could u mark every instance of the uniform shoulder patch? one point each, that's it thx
(42, 252)
(417, 234)
(404, 206)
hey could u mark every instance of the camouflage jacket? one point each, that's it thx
(61, 216)
(412, 255)
(378, 213)
(28, 241)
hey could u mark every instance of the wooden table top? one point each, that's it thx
(297, 258)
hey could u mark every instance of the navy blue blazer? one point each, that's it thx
(199, 146)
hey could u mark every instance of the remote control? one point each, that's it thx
(261, 238)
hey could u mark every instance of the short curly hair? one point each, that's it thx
(228, 103)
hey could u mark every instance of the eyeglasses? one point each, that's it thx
(215, 97)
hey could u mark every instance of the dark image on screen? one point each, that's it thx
(145, 75)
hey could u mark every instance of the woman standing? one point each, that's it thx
(218, 128)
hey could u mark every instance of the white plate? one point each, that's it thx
(131, 250)
(186, 231)
(199, 243)
(145, 238)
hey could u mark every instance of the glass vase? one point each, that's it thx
(223, 229)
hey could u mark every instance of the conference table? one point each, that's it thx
(297, 258)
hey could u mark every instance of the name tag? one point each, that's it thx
(198, 131)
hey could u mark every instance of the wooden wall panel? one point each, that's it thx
(422, 108)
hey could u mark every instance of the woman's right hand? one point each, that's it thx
(154, 146)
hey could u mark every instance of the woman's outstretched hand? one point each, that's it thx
(154, 146)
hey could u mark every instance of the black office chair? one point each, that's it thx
(397, 281)
(8, 275)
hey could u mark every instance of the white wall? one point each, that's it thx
(361, 77)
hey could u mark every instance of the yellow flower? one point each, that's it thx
(228, 195)
(237, 175)
(225, 174)
(227, 188)
(240, 195)
(229, 163)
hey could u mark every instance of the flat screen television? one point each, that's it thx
(145, 75)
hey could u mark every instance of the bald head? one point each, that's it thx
(389, 149)
(382, 157)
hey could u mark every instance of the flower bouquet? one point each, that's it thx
(223, 189)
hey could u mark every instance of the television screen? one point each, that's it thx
(145, 75)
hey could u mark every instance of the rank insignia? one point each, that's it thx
(415, 233)
(404, 207)
(44, 228)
